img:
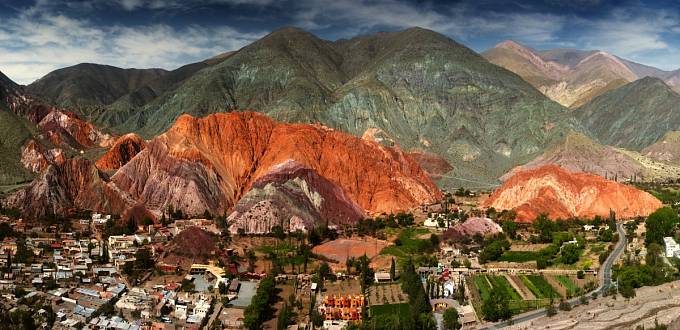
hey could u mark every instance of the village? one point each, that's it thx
(198, 273)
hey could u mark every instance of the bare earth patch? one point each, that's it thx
(343, 248)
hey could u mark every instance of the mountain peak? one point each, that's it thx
(289, 32)
(649, 81)
(511, 44)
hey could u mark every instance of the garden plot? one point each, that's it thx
(521, 288)
(539, 286)
(564, 283)
(387, 294)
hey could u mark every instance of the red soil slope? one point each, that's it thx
(562, 194)
(122, 151)
(211, 162)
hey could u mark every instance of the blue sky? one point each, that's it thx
(38, 36)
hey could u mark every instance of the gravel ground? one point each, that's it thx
(660, 303)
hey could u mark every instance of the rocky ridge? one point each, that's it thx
(122, 151)
(208, 164)
(293, 197)
(563, 194)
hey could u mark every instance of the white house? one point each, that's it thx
(672, 247)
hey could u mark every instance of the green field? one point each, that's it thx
(572, 288)
(502, 283)
(281, 248)
(483, 286)
(515, 302)
(518, 256)
(596, 248)
(539, 286)
(393, 309)
(409, 243)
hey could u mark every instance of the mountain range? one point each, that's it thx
(573, 77)
(292, 121)
(423, 90)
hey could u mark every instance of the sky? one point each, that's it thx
(38, 36)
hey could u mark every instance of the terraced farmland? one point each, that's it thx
(483, 286)
(519, 256)
(539, 286)
(571, 287)
(502, 283)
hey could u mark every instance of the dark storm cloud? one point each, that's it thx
(39, 36)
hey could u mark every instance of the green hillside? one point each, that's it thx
(632, 116)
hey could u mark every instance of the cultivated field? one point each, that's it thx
(524, 292)
(387, 294)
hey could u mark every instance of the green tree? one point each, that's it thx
(277, 231)
(509, 228)
(393, 270)
(660, 224)
(544, 227)
(144, 260)
(653, 257)
(551, 310)
(570, 254)
(222, 288)
(365, 270)
(323, 271)
(496, 307)
(451, 319)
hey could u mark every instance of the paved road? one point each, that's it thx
(605, 281)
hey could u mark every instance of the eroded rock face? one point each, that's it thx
(210, 163)
(59, 126)
(36, 158)
(435, 166)
(562, 194)
(122, 151)
(294, 197)
(62, 188)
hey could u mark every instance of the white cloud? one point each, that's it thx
(639, 34)
(37, 42)
(459, 21)
(627, 33)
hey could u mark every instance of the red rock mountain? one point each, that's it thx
(60, 127)
(122, 151)
(64, 187)
(294, 197)
(210, 163)
(562, 194)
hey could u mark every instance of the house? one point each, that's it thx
(672, 247)
(100, 219)
(450, 251)
(382, 277)
(234, 286)
(121, 241)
